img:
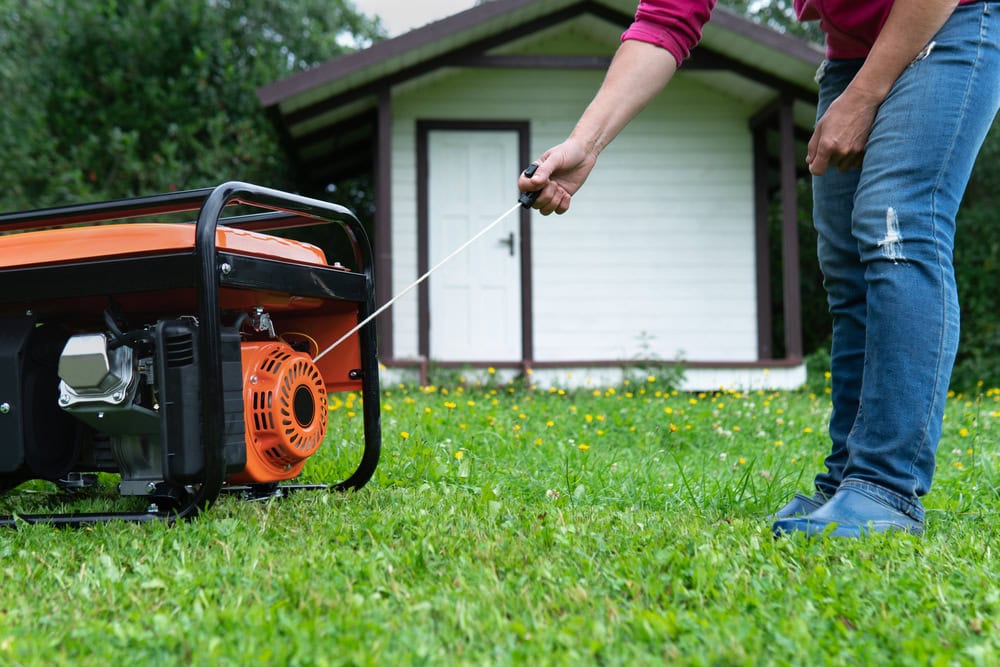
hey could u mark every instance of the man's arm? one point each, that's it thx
(841, 134)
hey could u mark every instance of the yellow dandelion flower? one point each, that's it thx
(450, 405)
(404, 435)
(550, 423)
(668, 410)
(491, 370)
(538, 441)
(588, 418)
(582, 447)
(459, 455)
(673, 427)
(964, 432)
(651, 378)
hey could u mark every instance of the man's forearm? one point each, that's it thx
(908, 29)
(637, 74)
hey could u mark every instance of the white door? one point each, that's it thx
(475, 299)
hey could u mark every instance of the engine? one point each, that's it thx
(123, 401)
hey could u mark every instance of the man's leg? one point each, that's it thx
(917, 163)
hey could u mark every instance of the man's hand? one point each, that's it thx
(561, 171)
(841, 134)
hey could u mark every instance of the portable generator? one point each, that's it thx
(186, 357)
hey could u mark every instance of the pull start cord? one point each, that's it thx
(525, 200)
(416, 282)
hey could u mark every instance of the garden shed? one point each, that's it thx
(667, 254)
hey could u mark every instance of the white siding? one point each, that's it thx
(656, 256)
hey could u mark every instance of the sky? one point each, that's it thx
(398, 16)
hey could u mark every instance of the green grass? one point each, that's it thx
(509, 526)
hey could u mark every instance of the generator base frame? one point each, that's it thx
(206, 269)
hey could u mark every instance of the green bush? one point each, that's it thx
(977, 269)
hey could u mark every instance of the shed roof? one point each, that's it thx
(329, 110)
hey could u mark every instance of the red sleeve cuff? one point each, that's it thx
(651, 33)
(674, 25)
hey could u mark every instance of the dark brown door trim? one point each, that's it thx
(424, 127)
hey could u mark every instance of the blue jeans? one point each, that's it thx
(886, 235)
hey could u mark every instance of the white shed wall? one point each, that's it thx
(655, 258)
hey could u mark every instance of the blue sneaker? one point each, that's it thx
(854, 512)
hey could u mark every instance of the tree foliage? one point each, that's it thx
(115, 98)
(777, 14)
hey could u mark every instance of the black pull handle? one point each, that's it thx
(526, 199)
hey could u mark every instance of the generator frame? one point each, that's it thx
(205, 269)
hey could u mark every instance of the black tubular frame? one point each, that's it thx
(206, 270)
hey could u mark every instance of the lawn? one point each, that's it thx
(510, 525)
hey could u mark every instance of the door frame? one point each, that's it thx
(522, 130)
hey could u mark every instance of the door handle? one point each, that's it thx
(509, 242)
